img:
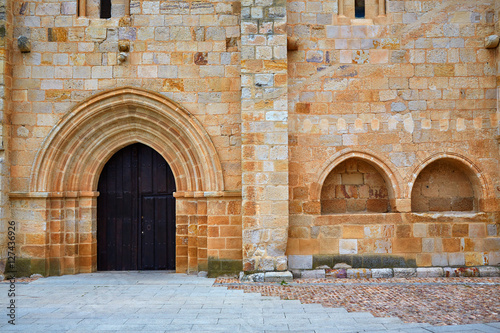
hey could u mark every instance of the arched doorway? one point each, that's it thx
(136, 211)
(68, 166)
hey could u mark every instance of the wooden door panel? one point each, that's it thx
(136, 212)
(148, 233)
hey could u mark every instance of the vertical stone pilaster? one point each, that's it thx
(264, 114)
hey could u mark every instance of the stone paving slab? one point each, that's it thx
(168, 302)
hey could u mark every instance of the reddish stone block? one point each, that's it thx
(460, 230)
(377, 205)
(451, 244)
(407, 245)
(403, 231)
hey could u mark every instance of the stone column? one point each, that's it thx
(264, 134)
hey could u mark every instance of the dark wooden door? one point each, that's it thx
(136, 212)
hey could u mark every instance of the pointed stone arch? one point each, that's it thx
(390, 176)
(77, 148)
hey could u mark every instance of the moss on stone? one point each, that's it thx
(38, 266)
(54, 266)
(218, 267)
(21, 268)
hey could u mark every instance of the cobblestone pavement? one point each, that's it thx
(167, 302)
(437, 301)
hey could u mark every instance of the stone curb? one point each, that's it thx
(267, 277)
(366, 273)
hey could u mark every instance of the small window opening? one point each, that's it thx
(359, 9)
(106, 9)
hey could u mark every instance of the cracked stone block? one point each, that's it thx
(313, 274)
(405, 272)
(359, 273)
(278, 277)
(489, 271)
(382, 273)
(300, 262)
(430, 272)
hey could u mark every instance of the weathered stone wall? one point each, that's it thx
(187, 51)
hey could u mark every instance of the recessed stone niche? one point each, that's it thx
(443, 186)
(354, 186)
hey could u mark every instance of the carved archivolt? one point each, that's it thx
(74, 153)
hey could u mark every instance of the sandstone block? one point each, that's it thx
(398, 107)
(407, 245)
(348, 246)
(492, 229)
(439, 259)
(281, 263)
(257, 277)
(352, 178)
(353, 231)
(265, 264)
(456, 259)
(461, 272)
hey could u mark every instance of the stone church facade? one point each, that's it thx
(298, 133)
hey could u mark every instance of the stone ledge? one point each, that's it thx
(365, 273)
(267, 277)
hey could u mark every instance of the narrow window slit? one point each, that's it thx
(105, 9)
(359, 9)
